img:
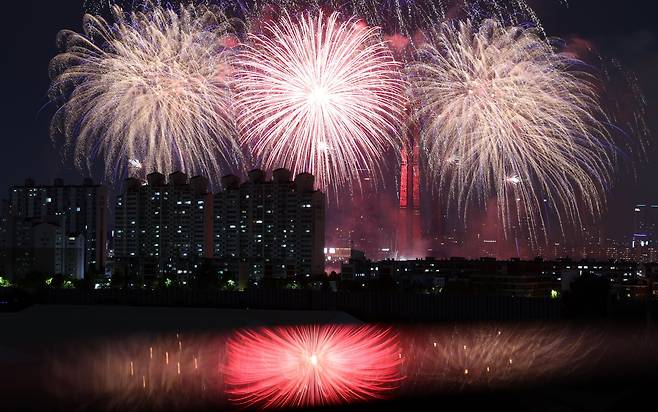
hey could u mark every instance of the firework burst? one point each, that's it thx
(140, 373)
(153, 87)
(505, 116)
(409, 16)
(312, 365)
(319, 95)
(495, 357)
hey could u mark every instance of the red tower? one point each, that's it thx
(410, 179)
(408, 237)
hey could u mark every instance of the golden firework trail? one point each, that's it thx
(150, 91)
(505, 116)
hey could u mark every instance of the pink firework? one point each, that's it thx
(312, 365)
(320, 95)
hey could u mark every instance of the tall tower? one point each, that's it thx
(410, 179)
(408, 239)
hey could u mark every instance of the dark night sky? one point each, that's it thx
(624, 30)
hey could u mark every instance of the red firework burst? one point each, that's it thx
(312, 365)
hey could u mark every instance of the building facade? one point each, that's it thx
(269, 228)
(162, 227)
(76, 212)
(55, 252)
(644, 242)
(645, 224)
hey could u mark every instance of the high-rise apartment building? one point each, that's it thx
(73, 212)
(162, 227)
(55, 252)
(645, 225)
(270, 228)
(644, 241)
(259, 228)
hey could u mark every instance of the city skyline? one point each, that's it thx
(566, 23)
(352, 204)
(60, 203)
(168, 225)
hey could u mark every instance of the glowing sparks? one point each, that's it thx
(135, 164)
(150, 91)
(515, 180)
(481, 356)
(409, 16)
(135, 373)
(320, 365)
(320, 95)
(311, 366)
(314, 360)
(522, 121)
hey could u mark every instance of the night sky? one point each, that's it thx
(626, 31)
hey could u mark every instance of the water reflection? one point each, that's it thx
(314, 365)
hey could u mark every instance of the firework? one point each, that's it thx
(319, 95)
(505, 116)
(311, 366)
(406, 17)
(495, 357)
(410, 16)
(308, 366)
(139, 373)
(152, 88)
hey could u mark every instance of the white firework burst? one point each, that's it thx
(153, 86)
(320, 95)
(506, 116)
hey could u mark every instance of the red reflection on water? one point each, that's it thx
(312, 365)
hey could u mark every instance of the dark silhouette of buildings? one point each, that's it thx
(536, 278)
(644, 243)
(162, 227)
(251, 230)
(270, 228)
(55, 229)
(645, 225)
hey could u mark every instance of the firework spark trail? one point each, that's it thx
(322, 96)
(139, 373)
(494, 357)
(312, 365)
(329, 364)
(404, 16)
(153, 87)
(629, 109)
(407, 16)
(506, 116)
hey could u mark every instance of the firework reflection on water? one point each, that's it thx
(480, 357)
(320, 365)
(302, 366)
(171, 371)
